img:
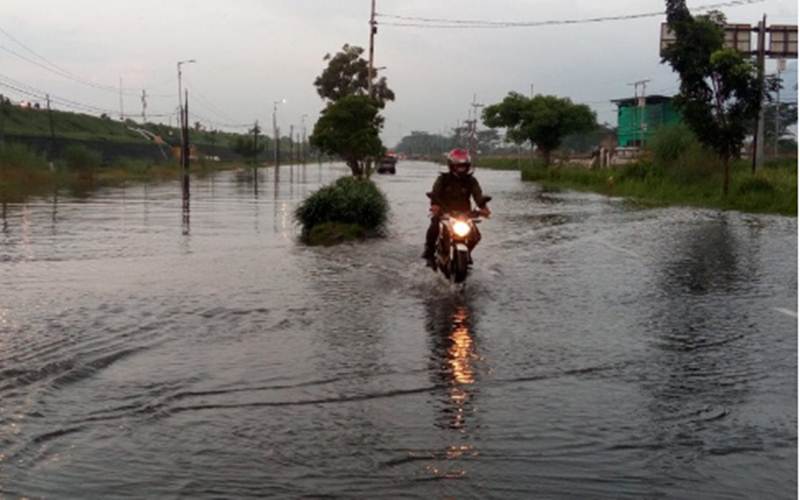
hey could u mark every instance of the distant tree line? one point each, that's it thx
(490, 142)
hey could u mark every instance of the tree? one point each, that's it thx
(350, 128)
(542, 120)
(586, 141)
(720, 91)
(348, 74)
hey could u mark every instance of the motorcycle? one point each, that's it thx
(453, 255)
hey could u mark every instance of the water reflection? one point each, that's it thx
(453, 367)
(708, 260)
(186, 206)
(704, 363)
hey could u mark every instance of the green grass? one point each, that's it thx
(772, 190)
(347, 209)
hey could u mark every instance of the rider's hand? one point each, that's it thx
(485, 212)
(436, 210)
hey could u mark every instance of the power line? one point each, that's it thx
(205, 102)
(30, 91)
(216, 124)
(432, 22)
(51, 67)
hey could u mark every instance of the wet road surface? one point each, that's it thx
(599, 350)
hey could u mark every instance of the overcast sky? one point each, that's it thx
(253, 52)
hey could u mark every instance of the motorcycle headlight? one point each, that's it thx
(461, 228)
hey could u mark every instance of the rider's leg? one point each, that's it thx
(430, 239)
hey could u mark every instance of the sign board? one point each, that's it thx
(667, 38)
(737, 36)
(783, 41)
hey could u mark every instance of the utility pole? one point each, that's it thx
(2, 122)
(303, 142)
(758, 137)
(276, 134)
(185, 132)
(781, 67)
(255, 143)
(291, 143)
(641, 104)
(144, 106)
(52, 127)
(180, 107)
(473, 128)
(373, 29)
(121, 111)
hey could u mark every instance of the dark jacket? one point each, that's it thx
(453, 192)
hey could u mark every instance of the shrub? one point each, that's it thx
(670, 143)
(677, 152)
(347, 201)
(80, 157)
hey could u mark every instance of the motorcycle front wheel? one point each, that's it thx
(460, 264)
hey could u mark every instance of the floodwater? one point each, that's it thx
(155, 349)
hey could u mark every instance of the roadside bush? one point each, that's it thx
(348, 201)
(13, 155)
(670, 143)
(79, 157)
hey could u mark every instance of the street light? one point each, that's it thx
(275, 126)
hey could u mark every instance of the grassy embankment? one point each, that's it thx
(76, 165)
(25, 173)
(349, 209)
(15, 120)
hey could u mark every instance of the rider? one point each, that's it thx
(451, 193)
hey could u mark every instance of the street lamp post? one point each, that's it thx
(181, 118)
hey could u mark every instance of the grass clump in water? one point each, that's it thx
(348, 209)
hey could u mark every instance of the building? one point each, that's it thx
(637, 120)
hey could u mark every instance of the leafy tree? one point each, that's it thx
(542, 120)
(720, 92)
(348, 74)
(350, 128)
(584, 142)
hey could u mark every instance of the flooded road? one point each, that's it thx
(599, 350)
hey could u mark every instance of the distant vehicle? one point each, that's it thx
(388, 164)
